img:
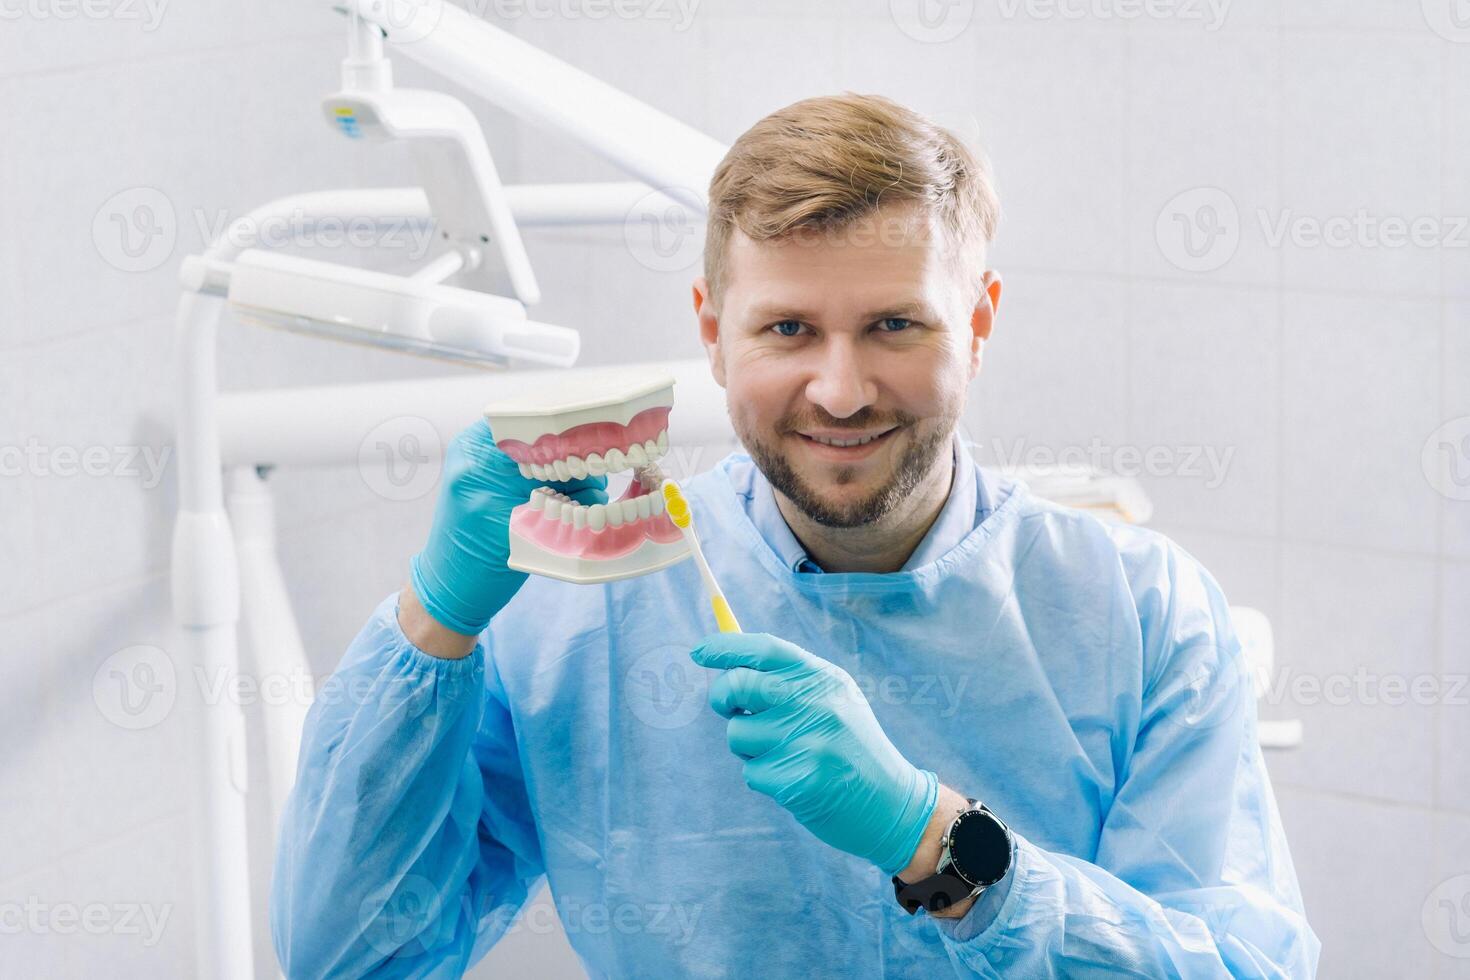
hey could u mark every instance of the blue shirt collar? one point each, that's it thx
(968, 504)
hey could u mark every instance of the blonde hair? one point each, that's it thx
(825, 163)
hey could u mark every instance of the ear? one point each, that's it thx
(982, 319)
(709, 330)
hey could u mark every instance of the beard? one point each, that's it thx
(909, 470)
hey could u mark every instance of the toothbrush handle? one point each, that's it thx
(723, 616)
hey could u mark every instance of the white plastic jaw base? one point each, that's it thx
(604, 395)
(650, 556)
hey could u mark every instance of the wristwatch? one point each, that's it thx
(974, 854)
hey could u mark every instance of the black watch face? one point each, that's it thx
(979, 848)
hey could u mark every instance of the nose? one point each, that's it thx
(840, 383)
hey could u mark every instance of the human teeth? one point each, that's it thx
(616, 461)
(645, 509)
(579, 517)
(656, 505)
(525, 471)
(663, 441)
(630, 510)
(637, 458)
(597, 517)
(553, 508)
(843, 443)
(614, 515)
(577, 467)
(596, 465)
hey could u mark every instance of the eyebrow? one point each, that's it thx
(909, 310)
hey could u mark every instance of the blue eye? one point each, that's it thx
(786, 323)
(899, 320)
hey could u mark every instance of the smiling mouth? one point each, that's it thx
(856, 447)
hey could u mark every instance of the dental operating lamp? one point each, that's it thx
(477, 222)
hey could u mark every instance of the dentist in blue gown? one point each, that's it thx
(967, 733)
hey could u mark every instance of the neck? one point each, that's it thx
(884, 546)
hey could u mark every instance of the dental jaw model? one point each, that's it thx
(612, 421)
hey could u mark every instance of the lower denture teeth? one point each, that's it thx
(645, 509)
(567, 510)
(614, 514)
(538, 499)
(553, 508)
(630, 510)
(597, 517)
(656, 504)
(579, 517)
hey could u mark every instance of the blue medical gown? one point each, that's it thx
(1081, 679)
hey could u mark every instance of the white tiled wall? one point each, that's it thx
(1320, 371)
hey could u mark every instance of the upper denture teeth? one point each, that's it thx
(663, 441)
(637, 458)
(616, 461)
(525, 470)
(563, 472)
(596, 465)
(650, 447)
(577, 467)
(597, 516)
(538, 471)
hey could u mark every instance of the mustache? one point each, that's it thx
(864, 419)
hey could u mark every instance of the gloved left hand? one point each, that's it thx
(811, 743)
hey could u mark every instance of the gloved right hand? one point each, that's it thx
(461, 576)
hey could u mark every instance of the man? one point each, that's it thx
(970, 733)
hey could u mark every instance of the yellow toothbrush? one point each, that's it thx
(678, 510)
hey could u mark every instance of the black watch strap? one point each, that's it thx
(932, 894)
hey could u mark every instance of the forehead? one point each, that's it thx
(878, 262)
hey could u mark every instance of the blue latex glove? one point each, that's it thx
(811, 743)
(461, 576)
